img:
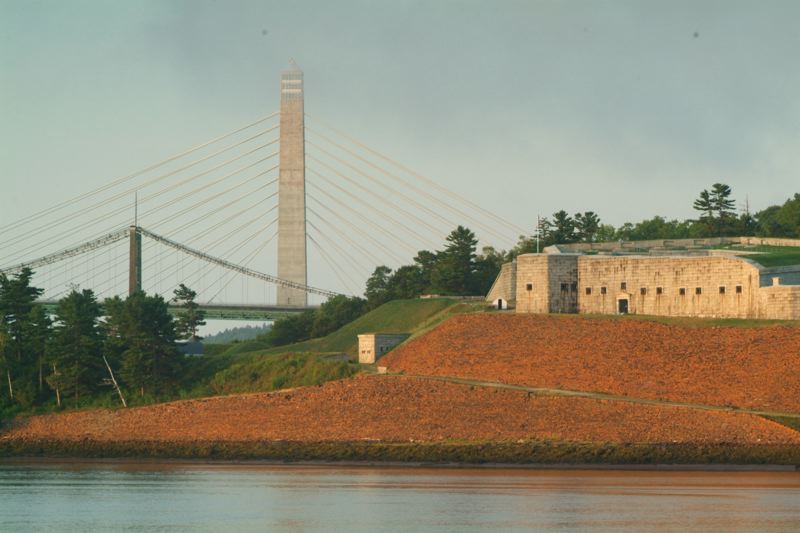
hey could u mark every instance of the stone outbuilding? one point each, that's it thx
(373, 346)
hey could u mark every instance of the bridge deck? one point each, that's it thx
(229, 311)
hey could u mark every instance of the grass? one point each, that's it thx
(520, 452)
(279, 372)
(398, 316)
(791, 423)
(776, 259)
(695, 322)
(252, 366)
(768, 256)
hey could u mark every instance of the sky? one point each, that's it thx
(625, 108)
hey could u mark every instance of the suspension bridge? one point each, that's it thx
(286, 194)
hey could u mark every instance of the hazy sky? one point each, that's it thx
(627, 108)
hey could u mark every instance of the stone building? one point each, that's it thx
(673, 285)
(373, 346)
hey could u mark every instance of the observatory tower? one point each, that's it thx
(292, 189)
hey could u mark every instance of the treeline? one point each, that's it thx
(86, 350)
(331, 315)
(237, 334)
(456, 270)
(717, 217)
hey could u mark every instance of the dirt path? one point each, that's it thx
(756, 369)
(403, 409)
(541, 391)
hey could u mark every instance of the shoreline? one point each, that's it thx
(535, 454)
(233, 463)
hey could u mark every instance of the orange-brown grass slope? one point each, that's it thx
(395, 409)
(746, 367)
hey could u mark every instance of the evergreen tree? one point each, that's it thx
(487, 266)
(587, 224)
(141, 336)
(191, 317)
(705, 205)
(377, 289)
(408, 281)
(426, 261)
(563, 230)
(295, 328)
(780, 220)
(544, 228)
(335, 313)
(721, 201)
(456, 265)
(4, 360)
(717, 209)
(38, 331)
(17, 298)
(76, 351)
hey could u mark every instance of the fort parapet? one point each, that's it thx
(693, 286)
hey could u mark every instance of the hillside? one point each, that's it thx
(398, 409)
(331, 415)
(756, 367)
(396, 316)
(252, 366)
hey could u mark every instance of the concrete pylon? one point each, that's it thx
(134, 260)
(292, 264)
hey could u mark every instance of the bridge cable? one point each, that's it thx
(429, 181)
(243, 270)
(135, 174)
(356, 266)
(131, 190)
(375, 180)
(149, 246)
(384, 232)
(449, 206)
(355, 228)
(246, 261)
(190, 208)
(42, 244)
(205, 231)
(228, 255)
(376, 196)
(334, 268)
(206, 186)
(383, 214)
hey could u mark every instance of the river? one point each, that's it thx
(219, 497)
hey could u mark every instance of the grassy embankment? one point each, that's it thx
(770, 256)
(695, 322)
(252, 367)
(527, 452)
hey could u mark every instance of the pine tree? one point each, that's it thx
(456, 265)
(191, 317)
(587, 224)
(37, 338)
(141, 339)
(563, 228)
(377, 289)
(76, 350)
(17, 297)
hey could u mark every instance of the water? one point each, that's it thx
(182, 497)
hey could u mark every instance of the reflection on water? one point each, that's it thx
(178, 497)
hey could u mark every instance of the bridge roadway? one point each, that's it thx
(228, 311)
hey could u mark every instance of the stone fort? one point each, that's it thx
(691, 284)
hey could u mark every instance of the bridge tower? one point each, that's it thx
(292, 189)
(134, 260)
